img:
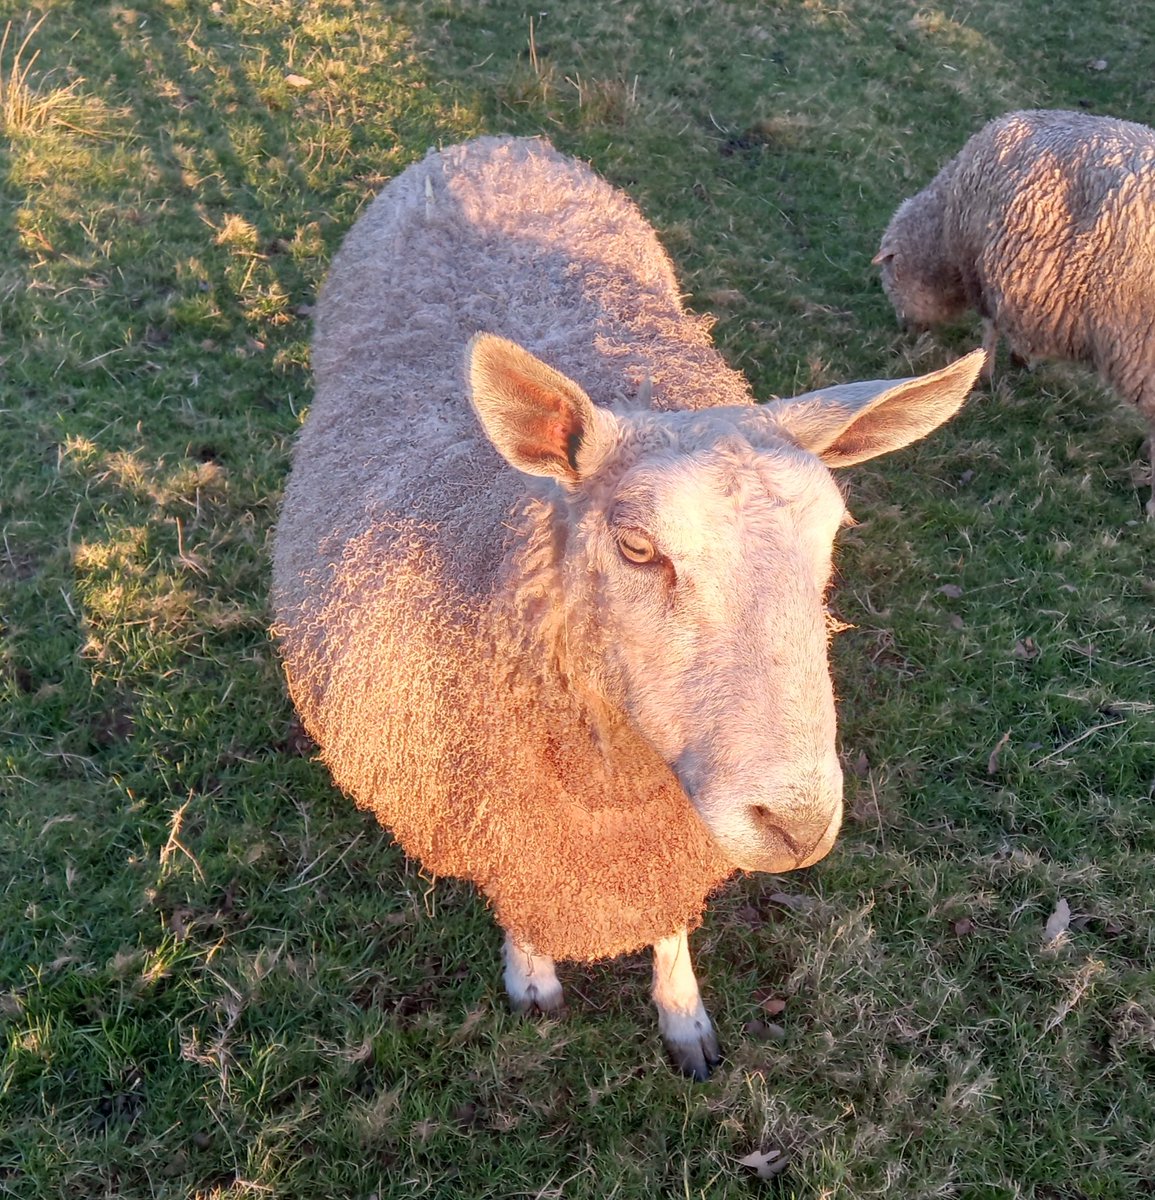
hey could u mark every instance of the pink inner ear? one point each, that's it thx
(553, 435)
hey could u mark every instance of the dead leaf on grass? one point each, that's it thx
(951, 590)
(861, 765)
(1057, 923)
(964, 926)
(993, 760)
(773, 1005)
(764, 1031)
(473, 1018)
(1026, 649)
(791, 900)
(765, 1163)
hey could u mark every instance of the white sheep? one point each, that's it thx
(1045, 224)
(574, 651)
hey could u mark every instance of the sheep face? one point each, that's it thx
(709, 560)
(919, 279)
(697, 558)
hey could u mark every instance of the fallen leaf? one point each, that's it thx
(723, 297)
(765, 1164)
(963, 927)
(993, 761)
(473, 1018)
(1026, 649)
(956, 622)
(1097, 64)
(773, 1005)
(966, 476)
(466, 1114)
(1057, 923)
(298, 81)
(861, 765)
(951, 590)
(790, 900)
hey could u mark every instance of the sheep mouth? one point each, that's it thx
(766, 843)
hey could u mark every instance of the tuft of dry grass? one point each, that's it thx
(29, 105)
(217, 978)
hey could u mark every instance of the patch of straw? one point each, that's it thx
(26, 107)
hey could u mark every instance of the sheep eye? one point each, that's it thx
(636, 547)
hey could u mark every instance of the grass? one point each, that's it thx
(219, 980)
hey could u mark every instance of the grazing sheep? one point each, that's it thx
(571, 649)
(1045, 224)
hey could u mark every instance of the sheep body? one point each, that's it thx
(613, 860)
(1044, 223)
(572, 649)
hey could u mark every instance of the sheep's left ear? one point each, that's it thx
(852, 422)
(538, 420)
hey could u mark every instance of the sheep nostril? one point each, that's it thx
(765, 819)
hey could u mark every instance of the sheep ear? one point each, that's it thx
(855, 421)
(538, 420)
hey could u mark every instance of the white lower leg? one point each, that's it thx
(1149, 447)
(530, 979)
(990, 345)
(682, 1018)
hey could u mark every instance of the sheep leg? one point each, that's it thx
(1149, 448)
(684, 1023)
(530, 979)
(990, 345)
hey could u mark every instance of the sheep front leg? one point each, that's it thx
(682, 1019)
(530, 979)
(990, 345)
(1149, 447)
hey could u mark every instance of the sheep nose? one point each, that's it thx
(801, 814)
(807, 839)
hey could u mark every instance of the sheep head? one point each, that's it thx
(698, 547)
(918, 275)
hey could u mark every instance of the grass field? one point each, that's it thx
(217, 979)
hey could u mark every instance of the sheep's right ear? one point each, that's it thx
(886, 250)
(538, 420)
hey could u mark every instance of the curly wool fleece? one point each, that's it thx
(415, 575)
(1044, 223)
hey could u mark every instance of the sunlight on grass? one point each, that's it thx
(217, 978)
(28, 105)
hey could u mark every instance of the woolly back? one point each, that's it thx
(1056, 210)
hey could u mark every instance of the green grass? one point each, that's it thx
(217, 979)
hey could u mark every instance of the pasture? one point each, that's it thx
(217, 978)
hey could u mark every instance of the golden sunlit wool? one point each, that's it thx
(1044, 223)
(395, 649)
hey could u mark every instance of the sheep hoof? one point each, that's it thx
(692, 1047)
(537, 1001)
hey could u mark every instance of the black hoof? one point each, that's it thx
(696, 1059)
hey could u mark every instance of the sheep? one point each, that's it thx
(1045, 224)
(566, 640)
